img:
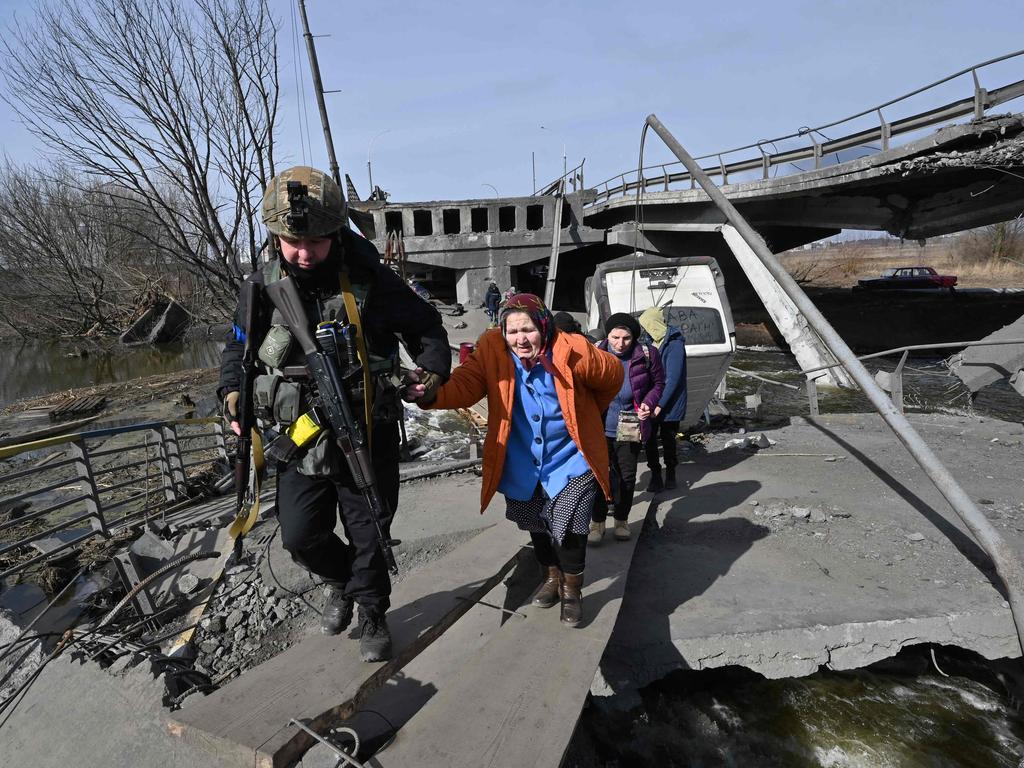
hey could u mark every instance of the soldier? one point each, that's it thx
(304, 213)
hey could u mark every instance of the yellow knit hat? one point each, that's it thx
(653, 321)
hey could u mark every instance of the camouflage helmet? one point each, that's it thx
(303, 202)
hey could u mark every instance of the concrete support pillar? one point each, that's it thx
(462, 291)
(803, 342)
(471, 284)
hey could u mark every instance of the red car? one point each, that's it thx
(909, 277)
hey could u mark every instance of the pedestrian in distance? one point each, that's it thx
(334, 269)
(545, 448)
(671, 407)
(491, 301)
(627, 424)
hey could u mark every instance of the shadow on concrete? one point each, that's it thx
(678, 558)
(964, 543)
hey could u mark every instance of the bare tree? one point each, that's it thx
(55, 256)
(993, 243)
(170, 105)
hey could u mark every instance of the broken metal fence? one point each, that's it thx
(96, 483)
(894, 383)
(820, 147)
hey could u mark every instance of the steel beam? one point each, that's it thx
(1007, 562)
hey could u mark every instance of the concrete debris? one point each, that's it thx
(915, 537)
(801, 513)
(187, 584)
(750, 441)
(1003, 154)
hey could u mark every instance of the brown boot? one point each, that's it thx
(572, 598)
(547, 594)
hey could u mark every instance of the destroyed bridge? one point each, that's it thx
(943, 170)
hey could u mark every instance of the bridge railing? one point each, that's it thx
(660, 177)
(91, 485)
(890, 382)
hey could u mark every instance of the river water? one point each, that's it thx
(30, 368)
(900, 713)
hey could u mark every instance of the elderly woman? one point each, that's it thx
(545, 448)
(635, 402)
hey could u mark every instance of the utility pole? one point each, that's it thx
(318, 86)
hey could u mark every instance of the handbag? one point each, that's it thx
(628, 428)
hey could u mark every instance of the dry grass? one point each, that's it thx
(841, 265)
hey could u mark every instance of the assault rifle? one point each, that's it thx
(246, 473)
(324, 357)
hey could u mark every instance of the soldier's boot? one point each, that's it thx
(572, 599)
(670, 478)
(374, 638)
(547, 594)
(337, 613)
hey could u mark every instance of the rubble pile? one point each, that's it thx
(238, 630)
(1008, 153)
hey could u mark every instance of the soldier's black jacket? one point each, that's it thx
(391, 308)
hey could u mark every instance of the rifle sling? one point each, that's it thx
(352, 310)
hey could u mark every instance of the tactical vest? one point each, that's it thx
(281, 400)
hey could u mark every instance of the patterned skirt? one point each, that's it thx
(568, 512)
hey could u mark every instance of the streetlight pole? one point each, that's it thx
(565, 165)
(533, 164)
(495, 189)
(369, 149)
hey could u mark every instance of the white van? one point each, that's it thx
(691, 291)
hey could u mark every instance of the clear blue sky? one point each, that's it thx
(462, 88)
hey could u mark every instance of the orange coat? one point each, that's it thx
(586, 381)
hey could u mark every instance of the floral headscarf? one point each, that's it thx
(540, 315)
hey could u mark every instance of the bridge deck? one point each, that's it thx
(454, 648)
(513, 699)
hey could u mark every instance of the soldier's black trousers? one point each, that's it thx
(308, 508)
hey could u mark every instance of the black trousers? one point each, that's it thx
(308, 508)
(570, 555)
(666, 432)
(623, 459)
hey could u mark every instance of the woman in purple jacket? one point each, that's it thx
(641, 390)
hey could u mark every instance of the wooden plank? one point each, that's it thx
(322, 678)
(516, 700)
(61, 430)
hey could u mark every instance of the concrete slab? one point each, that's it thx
(321, 678)
(849, 554)
(977, 367)
(80, 715)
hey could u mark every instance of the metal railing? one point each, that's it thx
(894, 386)
(91, 480)
(571, 178)
(980, 100)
